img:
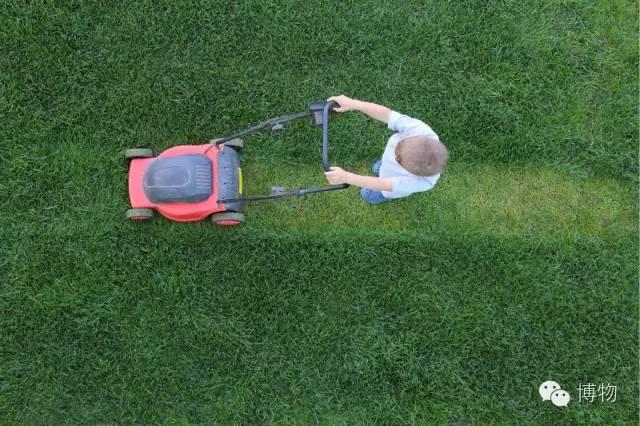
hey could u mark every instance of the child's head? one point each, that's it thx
(422, 155)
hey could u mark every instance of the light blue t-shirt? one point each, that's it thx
(403, 182)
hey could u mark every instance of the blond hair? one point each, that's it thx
(422, 155)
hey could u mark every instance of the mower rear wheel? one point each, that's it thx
(227, 218)
(134, 153)
(140, 214)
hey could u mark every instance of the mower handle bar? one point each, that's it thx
(321, 116)
(325, 142)
(277, 122)
(300, 192)
(325, 134)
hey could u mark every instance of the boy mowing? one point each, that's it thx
(412, 160)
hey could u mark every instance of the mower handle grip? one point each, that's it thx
(325, 134)
(325, 140)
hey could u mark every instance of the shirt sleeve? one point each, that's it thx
(401, 186)
(403, 123)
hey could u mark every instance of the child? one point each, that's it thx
(412, 161)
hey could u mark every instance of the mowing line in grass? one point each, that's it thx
(497, 200)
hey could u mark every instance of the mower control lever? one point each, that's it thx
(317, 109)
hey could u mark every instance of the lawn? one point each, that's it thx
(448, 307)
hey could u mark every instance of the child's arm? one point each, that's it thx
(375, 111)
(337, 176)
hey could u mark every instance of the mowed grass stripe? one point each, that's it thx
(75, 182)
(494, 199)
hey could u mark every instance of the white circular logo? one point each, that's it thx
(560, 398)
(547, 388)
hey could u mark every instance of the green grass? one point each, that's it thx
(505, 201)
(449, 307)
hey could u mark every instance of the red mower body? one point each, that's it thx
(188, 183)
(189, 211)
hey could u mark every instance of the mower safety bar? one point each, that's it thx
(295, 192)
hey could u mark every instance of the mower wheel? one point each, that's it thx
(133, 153)
(236, 144)
(227, 218)
(140, 214)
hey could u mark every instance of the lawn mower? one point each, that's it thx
(187, 183)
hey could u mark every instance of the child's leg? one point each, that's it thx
(376, 167)
(372, 197)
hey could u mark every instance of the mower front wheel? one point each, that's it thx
(139, 214)
(134, 153)
(227, 218)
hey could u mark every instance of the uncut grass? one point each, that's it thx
(525, 83)
(249, 331)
